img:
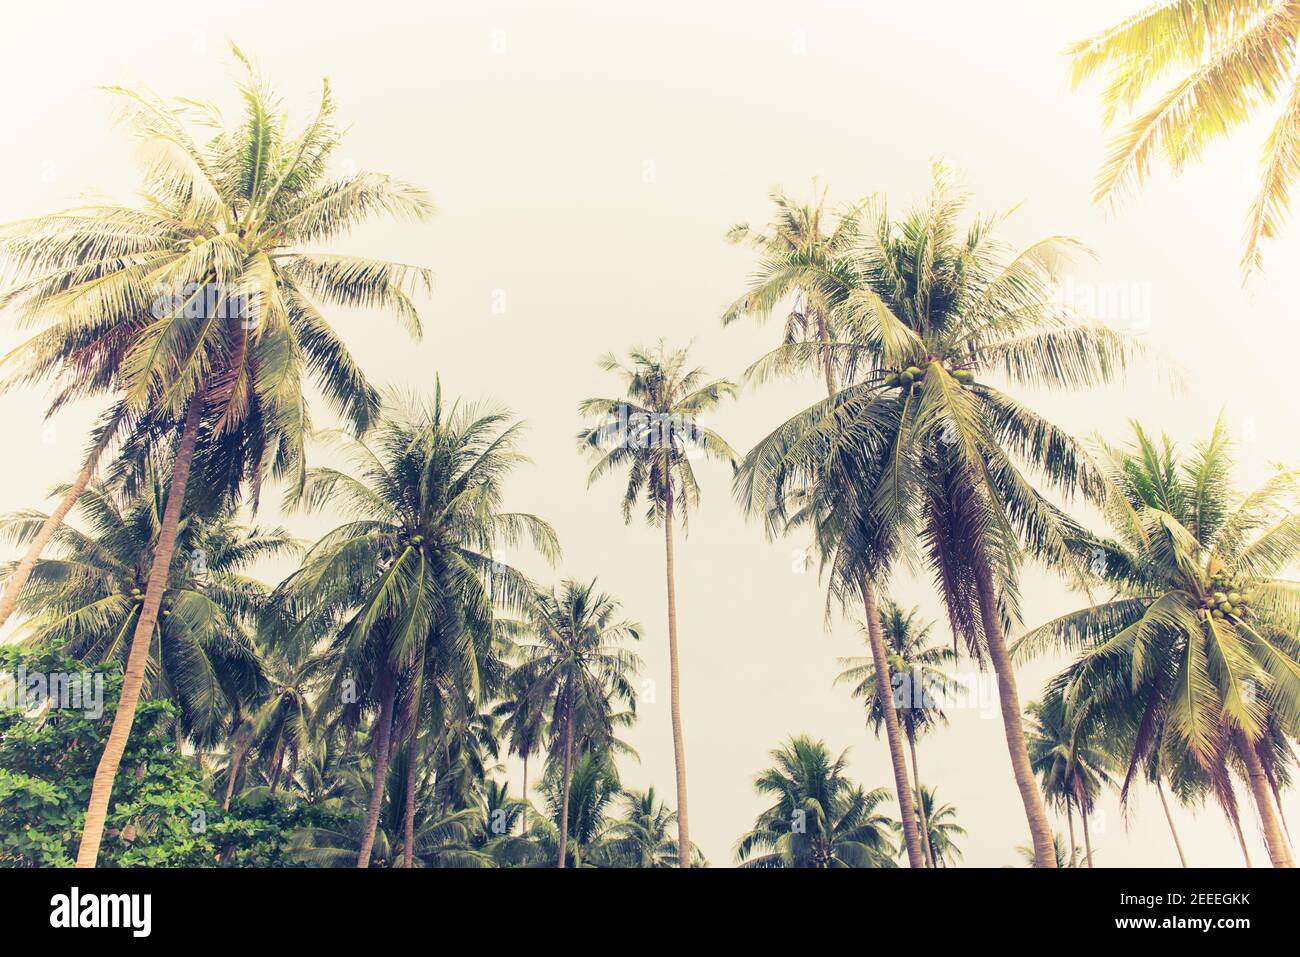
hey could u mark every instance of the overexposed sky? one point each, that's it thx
(586, 159)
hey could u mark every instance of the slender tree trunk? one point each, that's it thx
(408, 820)
(1087, 840)
(524, 795)
(828, 363)
(568, 778)
(885, 692)
(674, 689)
(1278, 853)
(1069, 821)
(384, 729)
(277, 764)
(920, 804)
(1039, 827)
(133, 679)
(18, 579)
(1178, 845)
(232, 776)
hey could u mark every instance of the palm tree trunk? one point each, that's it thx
(408, 820)
(18, 579)
(828, 363)
(384, 728)
(1069, 821)
(1087, 840)
(920, 803)
(277, 763)
(232, 776)
(1039, 827)
(1278, 853)
(101, 791)
(674, 692)
(568, 777)
(885, 692)
(1169, 818)
(524, 795)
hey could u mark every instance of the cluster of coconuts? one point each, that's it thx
(137, 595)
(1226, 597)
(908, 377)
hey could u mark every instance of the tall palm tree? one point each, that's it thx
(643, 836)
(921, 449)
(1197, 651)
(820, 818)
(654, 432)
(918, 687)
(201, 309)
(1072, 766)
(1228, 58)
(575, 669)
(412, 579)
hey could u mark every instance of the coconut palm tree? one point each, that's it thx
(89, 596)
(820, 818)
(643, 836)
(1060, 856)
(1196, 652)
(942, 829)
(1072, 766)
(654, 432)
(803, 262)
(201, 310)
(919, 685)
(575, 669)
(921, 449)
(412, 579)
(1227, 59)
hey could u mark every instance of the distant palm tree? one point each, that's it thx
(942, 829)
(654, 432)
(804, 261)
(1072, 766)
(407, 588)
(575, 669)
(820, 818)
(1196, 653)
(641, 838)
(919, 687)
(1060, 856)
(199, 311)
(1228, 58)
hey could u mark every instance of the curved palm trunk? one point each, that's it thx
(408, 819)
(524, 795)
(1241, 840)
(1278, 852)
(237, 759)
(884, 691)
(1170, 819)
(1069, 821)
(384, 727)
(926, 846)
(568, 780)
(18, 579)
(1009, 699)
(101, 790)
(277, 765)
(674, 688)
(1087, 840)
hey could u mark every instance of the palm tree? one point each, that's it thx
(643, 836)
(1196, 653)
(200, 311)
(800, 260)
(1059, 855)
(89, 597)
(921, 449)
(408, 586)
(919, 685)
(820, 818)
(1228, 59)
(942, 829)
(579, 800)
(654, 433)
(575, 669)
(1073, 768)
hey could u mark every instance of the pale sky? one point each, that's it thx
(586, 160)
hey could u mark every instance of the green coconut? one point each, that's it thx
(1234, 596)
(1219, 597)
(915, 372)
(964, 376)
(891, 380)
(905, 379)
